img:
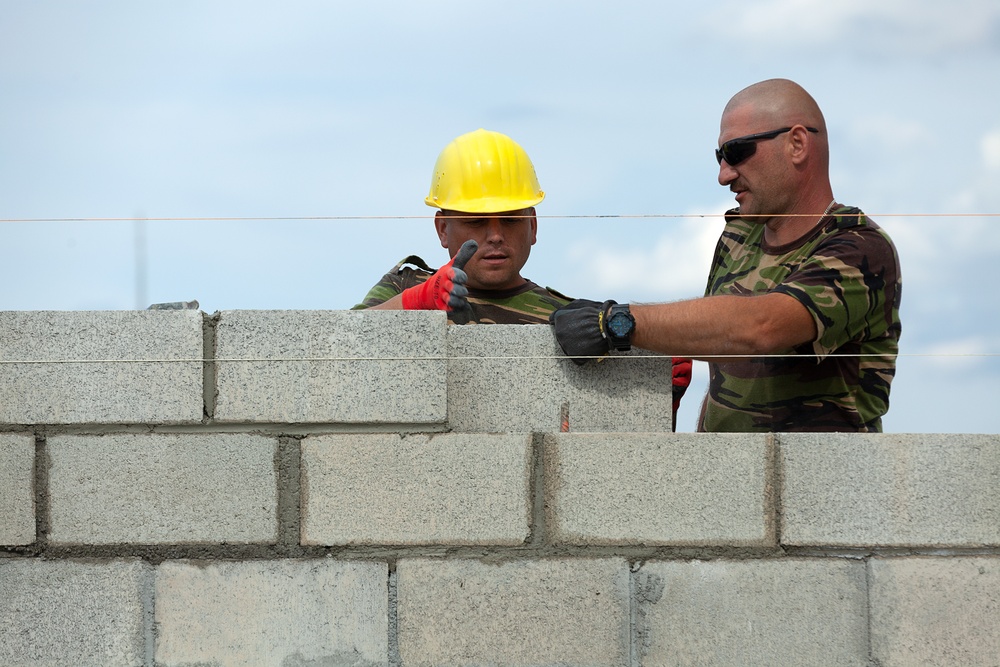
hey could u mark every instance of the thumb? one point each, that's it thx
(465, 253)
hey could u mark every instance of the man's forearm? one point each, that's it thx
(730, 326)
(395, 303)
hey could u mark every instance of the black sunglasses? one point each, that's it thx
(736, 150)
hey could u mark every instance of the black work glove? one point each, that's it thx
(580, 329)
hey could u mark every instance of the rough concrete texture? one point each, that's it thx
(287, 613)
(515, 379)
(890, 490)
(935, 611)
(443, 489)
(766, 612)
(514, 613)
(162, 489)
(17, 489)
(55, 613)
(683, 489)
(367, 366)
(101, 367)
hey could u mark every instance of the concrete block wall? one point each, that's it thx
(359, 488)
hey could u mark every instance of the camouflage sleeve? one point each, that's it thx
(381, 292)
(850, 285)
(400, 278)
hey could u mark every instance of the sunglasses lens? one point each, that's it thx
(735, 151)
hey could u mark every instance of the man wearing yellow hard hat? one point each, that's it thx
(486, 189)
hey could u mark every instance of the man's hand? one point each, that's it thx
(580, 329)
(681, 380)
(445, 289)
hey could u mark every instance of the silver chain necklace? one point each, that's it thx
(828, 209)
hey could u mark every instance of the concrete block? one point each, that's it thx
(17, 489)
(760, 612)
(64, 612)
(162, 489)
(890, 490)
(378, 367)
(682, 489)
(272, 613)
(513, 378)
(450, 489)
(514, 613)
(114, 367)
(935, 611)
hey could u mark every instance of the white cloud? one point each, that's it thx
(672, 266)
(990, 147)
(981, 195)
(961, 355)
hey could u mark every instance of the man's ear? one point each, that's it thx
(440, 225)
(799, 144)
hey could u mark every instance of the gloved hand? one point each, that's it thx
(445, 289)
(580, 329)
(681, 380)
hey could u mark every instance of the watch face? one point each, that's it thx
(620, 325)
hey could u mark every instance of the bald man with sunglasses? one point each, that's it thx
(800, 318)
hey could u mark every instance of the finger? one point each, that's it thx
(457, 300)
(458, 291)
(576, 304)
(465, 253)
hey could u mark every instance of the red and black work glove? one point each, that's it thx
(580, 330)
(445, 289)
(681, 380)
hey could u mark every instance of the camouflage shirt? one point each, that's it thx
(846, 273)
(527, 304)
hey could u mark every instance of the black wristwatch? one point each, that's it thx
(619, 326)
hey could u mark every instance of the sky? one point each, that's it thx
(265, 155)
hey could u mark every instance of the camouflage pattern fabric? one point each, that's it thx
(846, 273)
(528, 304)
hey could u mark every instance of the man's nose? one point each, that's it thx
(727, 174)
(494, 230)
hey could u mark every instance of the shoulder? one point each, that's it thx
(851, 232)
(411, 263)
(554, 294)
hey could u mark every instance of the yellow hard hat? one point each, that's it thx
(484, 172)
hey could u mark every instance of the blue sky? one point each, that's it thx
(333, 110)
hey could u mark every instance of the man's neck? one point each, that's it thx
(785, 229)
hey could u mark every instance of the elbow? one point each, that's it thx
(776, 336)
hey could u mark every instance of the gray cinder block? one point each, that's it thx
(367, 366)
(852, 489)
(935, 611)
(759, 612)
(64, 612)
(17, 489)
(101, 367)
(162, 489)
(547, 612)
(685, 489)
(443, 489)
(272, 613)
(514, 379)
